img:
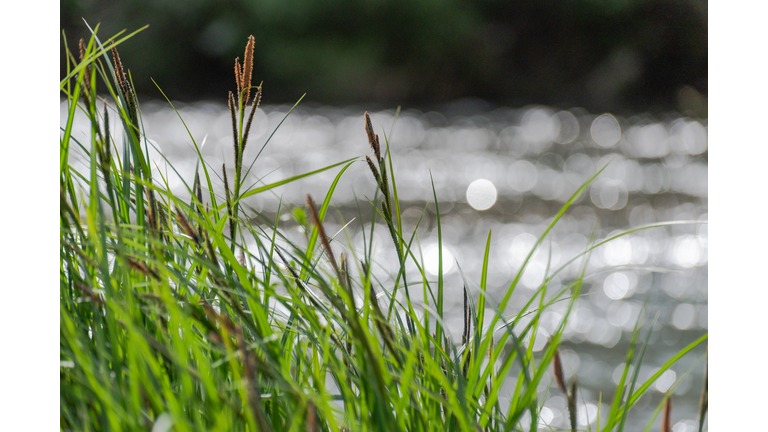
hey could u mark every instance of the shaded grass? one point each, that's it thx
(164, 311)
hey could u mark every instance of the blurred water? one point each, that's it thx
(509, 171)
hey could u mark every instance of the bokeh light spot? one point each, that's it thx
(683, 316)
(432, 260)
(569, 127)
(587, 414)
(616, 286)
(545, 416)
(605, 131)
(687, 251)
(665, 381)
(481, 194)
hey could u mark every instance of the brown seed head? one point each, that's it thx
(125, 87)
(374, 170)
(238, 76)
(213, 337)
(371, 136)
(572, 404)
(87, 68)
(232, 112)
(120, 72)
(465, 333)
(247, 68)
(559, 372)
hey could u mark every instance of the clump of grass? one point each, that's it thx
(173, 317)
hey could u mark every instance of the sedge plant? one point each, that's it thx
(169, 320)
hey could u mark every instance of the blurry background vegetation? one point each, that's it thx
(617, 55)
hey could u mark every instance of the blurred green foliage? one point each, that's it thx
(602, 55)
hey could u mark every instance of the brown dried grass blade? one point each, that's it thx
(666, 418)
(92, 296)
(311, 417)
(142, 268)
(211, 251)
(186, 227)
(321, 234)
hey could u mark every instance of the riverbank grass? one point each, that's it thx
(169, 321)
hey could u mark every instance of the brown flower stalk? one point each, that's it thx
(572, 405)
(311, 417)
(229, 204)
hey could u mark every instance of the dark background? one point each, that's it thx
(616, 55)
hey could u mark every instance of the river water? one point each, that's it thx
(506, 170)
